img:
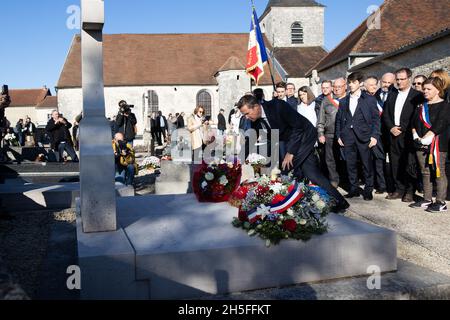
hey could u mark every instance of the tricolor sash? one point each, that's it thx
(334, 102)
(434, 157)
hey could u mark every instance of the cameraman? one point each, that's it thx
(126, 167)
(126, 122)
(61, 140)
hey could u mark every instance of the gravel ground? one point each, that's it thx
(24, 244)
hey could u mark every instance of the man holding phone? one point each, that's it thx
(58, 129)
(5, 101)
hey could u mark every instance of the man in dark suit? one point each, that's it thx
(221, 122)
(299, 136)
(290, 96)
(161, 128)
(398, 112)
(358, 131)
(387, 87)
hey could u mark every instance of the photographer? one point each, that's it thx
(126, 167)
(5, 101)
(126, 121)
(58, 129)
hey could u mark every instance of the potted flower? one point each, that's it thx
(257, 161)
(151, 164)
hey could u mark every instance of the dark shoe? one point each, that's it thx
(423, 204)
(368, 196)
(380, 191)
(353, 194)
(408, 198)
(340, 207)
(394, 196)
(437, 207)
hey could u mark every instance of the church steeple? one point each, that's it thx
(290, 3)
(294, 23)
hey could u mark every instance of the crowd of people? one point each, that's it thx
(390, 135)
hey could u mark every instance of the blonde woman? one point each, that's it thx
(196, 126)
(443, 75)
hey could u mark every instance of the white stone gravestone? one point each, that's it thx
(97, 190)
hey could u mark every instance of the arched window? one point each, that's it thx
(204, 100)
(297, 33)
(153, 103)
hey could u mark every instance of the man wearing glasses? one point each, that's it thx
(418, 82)
(398, 112)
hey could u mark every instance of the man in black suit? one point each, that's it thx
(387, 87)
(161, 128)
(398, 112)
(300, 137)
(290, 96)
(221, 122)
(358, 131)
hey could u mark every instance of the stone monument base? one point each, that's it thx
(172, 247)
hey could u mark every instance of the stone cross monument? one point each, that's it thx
(97, 187)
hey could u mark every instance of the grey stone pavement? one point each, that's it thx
(423, 238)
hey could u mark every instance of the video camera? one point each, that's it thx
(125, 107)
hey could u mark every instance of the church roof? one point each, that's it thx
(402, 22)
(165, 59)
(50, 102)
(27, 97)
(290, 3)
(233, 63)
(297, 61)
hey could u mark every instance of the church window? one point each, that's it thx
(297, 33)
(204, 100)
(153, 102)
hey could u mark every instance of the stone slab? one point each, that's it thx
(173, 171)
(187, 249)
(29, 197)
(410, 282)
(20, 197)
(106, 261)
(172, 188)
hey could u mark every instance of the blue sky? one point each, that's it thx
(36, 37)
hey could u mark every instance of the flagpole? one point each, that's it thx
(271, 74)
(268, 60)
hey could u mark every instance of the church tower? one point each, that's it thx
(294, 23)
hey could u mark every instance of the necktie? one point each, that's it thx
(265, 124)
(384, 96)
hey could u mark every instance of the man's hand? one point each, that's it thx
(373, 143)
(396, 131)
(288, 162)
(341, 143)
(322, 140)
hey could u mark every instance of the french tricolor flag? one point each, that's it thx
(257, 54)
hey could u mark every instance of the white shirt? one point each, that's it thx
(309, 112)
(354, 98)
(162, 123)
(235, 121)
(399, 104)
